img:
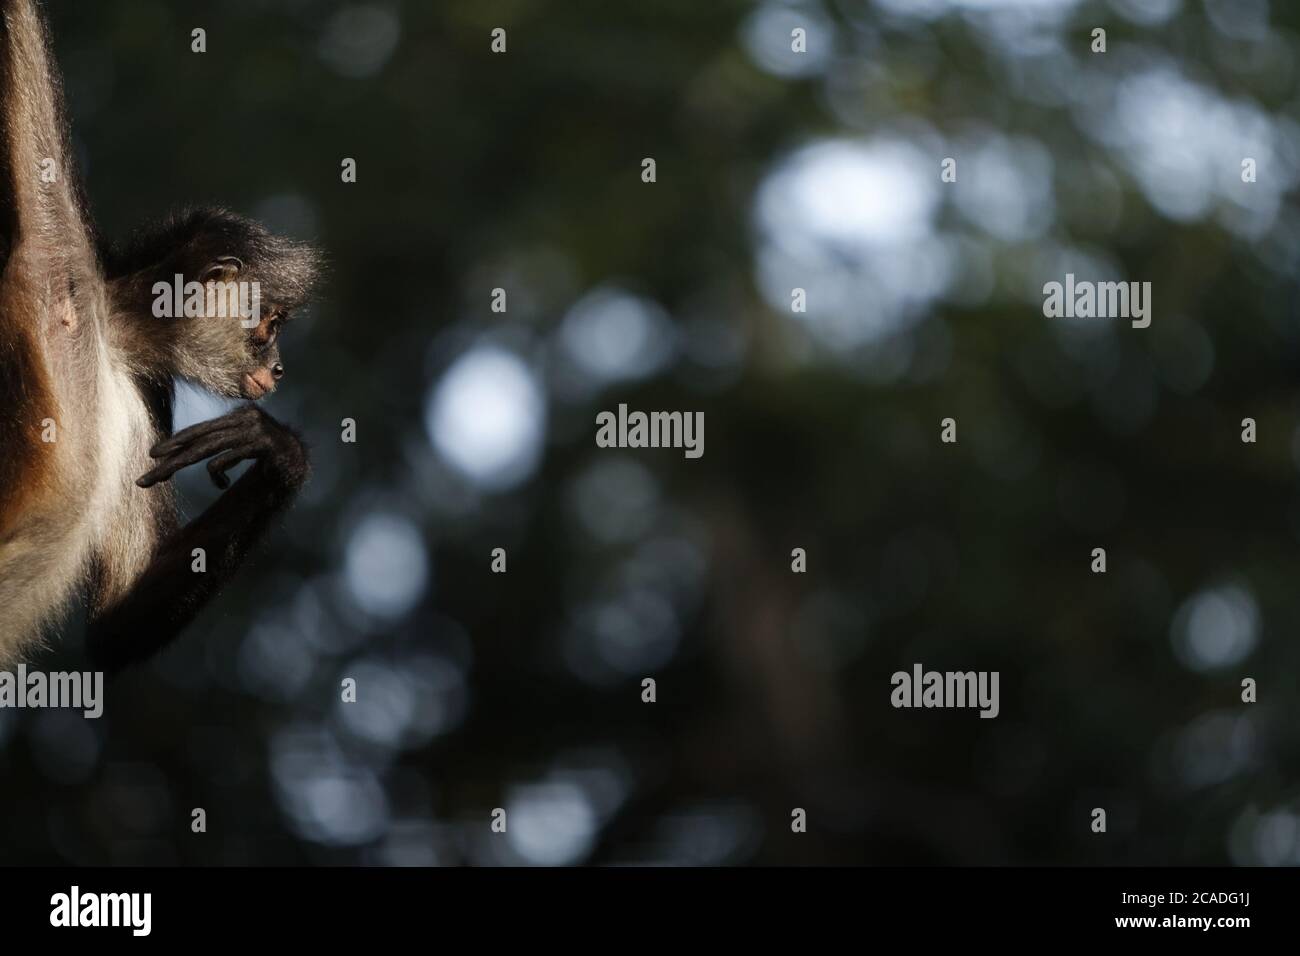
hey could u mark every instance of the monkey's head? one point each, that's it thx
(239, 287)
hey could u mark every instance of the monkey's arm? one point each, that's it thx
(46, 253)
(42, 211)
(170, 593)
(50, 320)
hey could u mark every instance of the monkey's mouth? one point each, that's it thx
(253, 388)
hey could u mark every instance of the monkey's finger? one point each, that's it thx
(187, 434)
(235, 422)
(227, 432)
(218, 466)
(191, 454)
(155, 475)
(197, 450)
(161, 472)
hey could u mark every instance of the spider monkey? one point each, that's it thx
(86, 388)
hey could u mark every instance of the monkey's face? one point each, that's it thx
(264, 369)
(240, 339)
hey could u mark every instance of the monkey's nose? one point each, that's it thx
(277, 371)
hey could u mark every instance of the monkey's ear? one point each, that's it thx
(223, 269)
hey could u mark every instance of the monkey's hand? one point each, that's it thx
(169, 593)
(246, 433)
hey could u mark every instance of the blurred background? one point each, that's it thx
(475, 430)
